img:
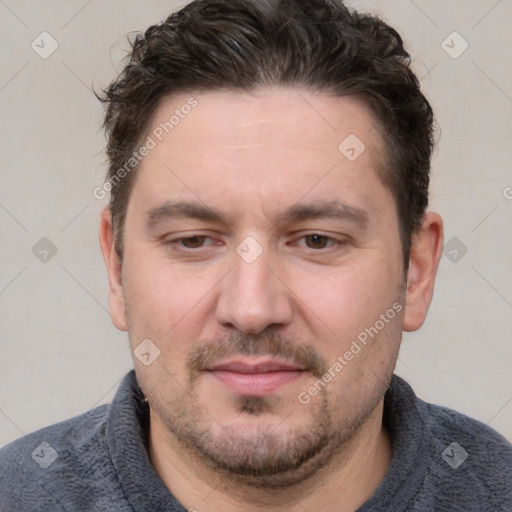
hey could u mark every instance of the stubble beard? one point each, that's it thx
(268, 456)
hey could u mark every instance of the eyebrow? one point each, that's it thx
(296, 213)
(183, 210)
(326, 210)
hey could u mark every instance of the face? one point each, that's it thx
(265, 267)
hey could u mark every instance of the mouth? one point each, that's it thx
(255, 377)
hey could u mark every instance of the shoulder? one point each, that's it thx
(29, 464)
(484, 442)
(469, 461)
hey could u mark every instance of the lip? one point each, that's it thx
(255, 377)
(254, 366)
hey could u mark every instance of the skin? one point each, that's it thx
(303, 300)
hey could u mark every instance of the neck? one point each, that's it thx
(344, 484)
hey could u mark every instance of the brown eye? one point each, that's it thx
(316, 241)
(193, 242)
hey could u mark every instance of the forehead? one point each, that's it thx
(285, 116)
(272, 145)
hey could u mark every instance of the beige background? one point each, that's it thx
(60, 354)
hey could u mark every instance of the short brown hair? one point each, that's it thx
(318, 45)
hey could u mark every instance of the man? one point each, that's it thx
(267, 243)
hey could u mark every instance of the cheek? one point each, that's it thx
(344, 301)
(158, 297)
(362, 309)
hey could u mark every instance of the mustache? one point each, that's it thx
(265, 344)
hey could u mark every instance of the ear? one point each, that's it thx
(426, 250)
(114, 271)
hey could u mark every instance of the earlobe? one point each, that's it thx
(426, 250)
(114, 271)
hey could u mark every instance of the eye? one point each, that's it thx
(193, 242)
(193, 247)
(317, 241)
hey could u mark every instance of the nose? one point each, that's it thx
(253, 297)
